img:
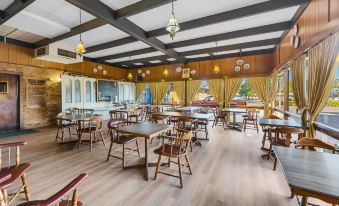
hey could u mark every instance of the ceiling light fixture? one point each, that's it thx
(172, 26)
(240, 63)
(165, 73)
(130, 76)
(216, 68)
(80, 48)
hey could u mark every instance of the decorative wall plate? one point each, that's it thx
(139, 71)
(296, 42)
(295, 30)
(240, 62)
(292, 40)
(246, 66)
(237, 68)
(178, 69)
(148, 71)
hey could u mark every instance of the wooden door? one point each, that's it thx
(9, 102)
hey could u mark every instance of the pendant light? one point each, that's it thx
(172, 26)
(80, 48)
(216, 68)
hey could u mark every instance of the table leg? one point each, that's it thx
(234, 120)
(146, 159)
(304, 201)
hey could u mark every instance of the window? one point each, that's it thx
(245, 96)
(204, 91)
(146, 96)
(171, 96)
(280, 92)
(291, 102)
(330, 114)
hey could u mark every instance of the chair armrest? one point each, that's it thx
(12, 144)
(182, 130)
(5, 177)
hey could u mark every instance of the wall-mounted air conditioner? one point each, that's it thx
(57, 52)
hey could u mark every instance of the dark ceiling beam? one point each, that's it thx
(206, 51)
(105, 13)
(14, 8)
(92, 24)
(97, 22)
(111, 44)
(219, 37)
(249, 53)
(252, 44)
(140, 7)
(128, 54)
(16, 42)
(231, 15)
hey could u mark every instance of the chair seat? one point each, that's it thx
(202, 123)
(115, 122)
(15, 171)
(42, 203)
(290, 130)
(250, 119)
(220, 116)
(71, 124)
(89, 129)
(124, 139)
(167, 150)
(133, 115)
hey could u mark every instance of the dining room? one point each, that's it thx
(172, 102)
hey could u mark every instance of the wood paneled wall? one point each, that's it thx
(24, 56)
(261, 65)
(319, 19)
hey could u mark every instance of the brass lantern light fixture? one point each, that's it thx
(80, 47)
(172, 26)
(165, 73)
(130, 76)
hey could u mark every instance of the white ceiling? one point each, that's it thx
(232, 41)
(197, 56)
(119, 49)
(118, 4)
(234, 25)
(5, 3)
(186, 10)
(151, 54)
(107, 33)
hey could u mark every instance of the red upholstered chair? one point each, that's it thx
(58, 198)
(16, 171)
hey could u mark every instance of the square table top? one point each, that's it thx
(124, 110)
(77, 117)
(145, 129)
(188, 115)
(280, 123)
(189, 108)
(315, 172)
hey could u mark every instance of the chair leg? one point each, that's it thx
(2, 199)
(62, 135)
(102, 139)
(264, 139)
(70, 133)
(25, 184)
(137, 143)
(169, 162)
(109, 151)
(90, 141)
(180, 172)
(275, 163)
(157, 168)
(188, 164)
(123, 156)
(206, 131)
(57, 135)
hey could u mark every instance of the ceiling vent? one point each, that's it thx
(57, 52)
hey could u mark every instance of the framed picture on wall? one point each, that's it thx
(186, 73)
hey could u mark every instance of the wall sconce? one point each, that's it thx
(165, 73)
(130, 76)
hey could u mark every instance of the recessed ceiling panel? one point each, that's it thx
(232, 41)
(197, 56)
(120, 49)
(5, 3)
(258, 48)
(151, 54)
(267, 18)
(186, 10)
(118, 4)
(99, 35)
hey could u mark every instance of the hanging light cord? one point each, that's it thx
(172, 8)
(80, 24)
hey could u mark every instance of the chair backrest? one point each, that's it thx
(218, 111)
(84, 111)
(187, 123)
(252, 113)
(84, 124)
(59, 196)
(157, 119)
(9, 159)
(117, 114)
(311, 144)
(272, 116)
(178, 145)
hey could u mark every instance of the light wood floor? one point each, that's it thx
(227, 170)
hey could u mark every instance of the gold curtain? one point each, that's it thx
(320, 77)
(139, 87)
(193, 88)
(162, 88)
(231, 88)
(215, 86)
(274, 89)
(261, 86)
(298, 81)
(179, 88)
(153, 88)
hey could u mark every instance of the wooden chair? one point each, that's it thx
(59, 197)
(116, 119)
(175, 147)
(91, 127)
(311, 144)
(136, 115)
(190, 125)
(203, 124)
(219, 117)
(86, 111)
(62, 125)
(158, 120)
(252, 117)
(122, 139)
(16, 171)
(265, 129)
(283, 138)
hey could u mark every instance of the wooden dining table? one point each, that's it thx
(189, 109)
(235, 125)
(147, 130)
(197, 116)
(310, 174)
